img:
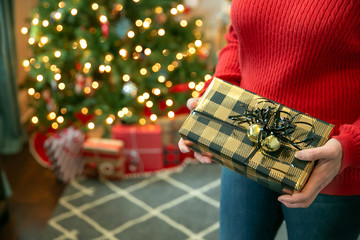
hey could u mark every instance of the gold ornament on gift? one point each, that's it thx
(271, 128)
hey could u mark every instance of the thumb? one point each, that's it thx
(191, 103)
(312, 154)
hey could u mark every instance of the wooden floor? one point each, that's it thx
(35, 193)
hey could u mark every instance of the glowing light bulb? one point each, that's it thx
(34, 120)
(44, 40)
(183, 23)
(171, 114)
(180, 8)
(109, 120)
(103, 19)
(61, 4)
(198, 43)
(52, 116)
(35, 21)
(158, 10)
(123, 52)
(102, 68)
(131, 34)
(26, 63)
(138, 48)
(46, 59)
(147, 51)
(199, 23)
(109, 57)
(61, 86)
(143, 71)
(95, 85)
(57, 54)
(24, 30)
(173, 11)
(87, 90)
(74, 11)
(192, 50)
(108, 68)
(125, 110)
(169, 102)
(31, 41)
(142, 121)
(95, 6)
(146, 24)
(57, 76)
(55, 125)
(149, 104)
(31, 91)
(120, 114)
(87, 65)
(39, 78)
(63, 110)
(156, 91)
(161, 32)
(57, 15)
(207, 77)
(136, 1)
(83, 43)
(139, 23)
(161, 79)
(141, 99)
(126, 78)
(91, 125)
(60, 119)
(45, 23)
(179, 56)
(84, 110)
(153, 117)
(146, 95)
(59, 28)
(195, 94)
(192, 85)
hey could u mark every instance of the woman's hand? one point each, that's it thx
(184, 145)
(329, 165)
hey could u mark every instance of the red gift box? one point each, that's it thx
(104, 157)
(143, 147)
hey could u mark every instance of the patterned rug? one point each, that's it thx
(169, 205)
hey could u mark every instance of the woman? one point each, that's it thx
(305, 55)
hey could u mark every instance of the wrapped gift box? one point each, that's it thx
(227, 114)
(104, 157)
(143, 147)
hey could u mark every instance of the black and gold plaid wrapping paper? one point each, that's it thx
(209, 127)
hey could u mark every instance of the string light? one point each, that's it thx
(61, 4)
(171, 68)
(123, 52)
(87, 90)
(192, 50)
(57, 15)
(98, 112)
(37, 95)
(142, 121)
(138, 23)
(55, 125)
(183, 23)
(61, 86)
(109, 120)
(44, 40)
(102, 68)
(126, 78)
(168, 84)
(198, 43)
(24, 30)
(57, 54)
(153, 117)
(131, 34)
(121, 114)
(173, 11)
(34, 120)
(35, 21)
(26, 63)
(171, 114)
(60, 119)
(195, 94)
(136, 1)
(109, 57)
(179, 56)
(74, 11)
(108, 68)
(156, 91)
(138, 48)
(39, 78)
(83, 43)
(95, 85)
(95, 6)
(198, 22)
(52, 116)
(91, 125)
(59, 28)
(191, 85)
(87, 65)
(143, 71)
(119, 7)
(63, 110)
(125, 110)
(146, 95)
(158, 10)
(57, 76)
(31, 91)
(165, 52)
(84, 110)
(141, 99)
(169, 102)
(198, 87)
(45, 59)
(161, 32)
(103, 19)
(31, 41)
(149, 104)
(45, 23)
(180, 8)
(207, 77)
(147, 51)
(161, 79)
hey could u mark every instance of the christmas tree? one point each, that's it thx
(98, 62)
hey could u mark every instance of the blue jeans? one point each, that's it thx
(250, 211)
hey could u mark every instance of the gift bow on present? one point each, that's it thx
(272, 128)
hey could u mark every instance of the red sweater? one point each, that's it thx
(305, 55)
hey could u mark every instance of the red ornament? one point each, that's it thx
(105, 29)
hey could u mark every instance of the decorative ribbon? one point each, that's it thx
(135, 152)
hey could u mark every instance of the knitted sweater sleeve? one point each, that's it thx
(227, 67)
(349, 137)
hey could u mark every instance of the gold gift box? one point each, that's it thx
(212, 128)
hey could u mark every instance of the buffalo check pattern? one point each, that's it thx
(177, 205)
(210, 128)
